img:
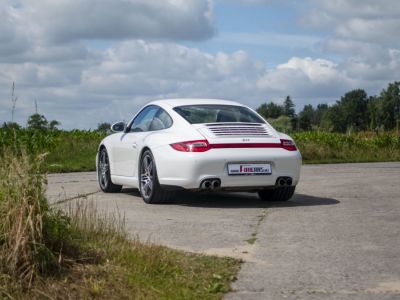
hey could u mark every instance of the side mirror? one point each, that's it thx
(118, 127)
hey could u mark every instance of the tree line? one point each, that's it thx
(355, 111)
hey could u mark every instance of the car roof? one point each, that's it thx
(193, 101)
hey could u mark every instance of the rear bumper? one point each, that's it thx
(187, 170)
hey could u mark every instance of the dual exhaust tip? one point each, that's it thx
(284, 181)
(210, 184)
(215, 183)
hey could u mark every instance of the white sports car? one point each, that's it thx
(200, 145)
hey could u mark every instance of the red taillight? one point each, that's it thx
(203, 145)
(192, 146)
(288, 145)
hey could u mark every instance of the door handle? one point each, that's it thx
(134, 145)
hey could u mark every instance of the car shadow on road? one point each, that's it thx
(232, 200)
(240, 200)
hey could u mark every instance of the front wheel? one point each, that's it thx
(150, 188)
(277, 194)
(104, 175)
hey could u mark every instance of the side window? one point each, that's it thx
(161, 121)
(143, 119)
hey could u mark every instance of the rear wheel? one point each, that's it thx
(277, 194)
(104, 175)
(150, 188)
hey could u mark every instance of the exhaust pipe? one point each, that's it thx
(284, 181)
(216, 184)
(210, 184)
(206, 184)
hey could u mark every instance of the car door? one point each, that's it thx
(126, 148)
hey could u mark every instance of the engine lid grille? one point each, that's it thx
(232, 129)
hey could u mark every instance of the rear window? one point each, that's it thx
(197, 114)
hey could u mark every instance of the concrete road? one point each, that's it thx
(338, 238)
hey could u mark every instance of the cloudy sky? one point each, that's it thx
(86, 62)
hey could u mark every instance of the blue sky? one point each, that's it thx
(255, 29)
(86, 62)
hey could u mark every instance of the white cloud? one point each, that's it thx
(138, 66)
(126, 76)
(306, 78)
(368, 21)
(68, 20)
(371, 30)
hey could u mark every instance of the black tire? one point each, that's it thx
(277, 194)
(104, 175)
(149, 187)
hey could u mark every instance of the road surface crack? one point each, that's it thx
(79, 196)
(260, 219)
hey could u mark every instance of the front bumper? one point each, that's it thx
(187, 170)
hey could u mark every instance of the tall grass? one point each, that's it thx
(83, 253)
(36, 240)
(22, 210)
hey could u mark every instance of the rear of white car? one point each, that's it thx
(190, 169)
(198, 144)
(242, 156)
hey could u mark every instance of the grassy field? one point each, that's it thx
(323, 147)
(81, 253)
(73, 151)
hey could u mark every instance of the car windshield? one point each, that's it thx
(198, 114)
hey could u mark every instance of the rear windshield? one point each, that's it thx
(197, 114)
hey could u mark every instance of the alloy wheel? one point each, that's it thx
(103, 169)
(147, 176)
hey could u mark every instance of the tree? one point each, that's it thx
(11, 125)
(390, 99)
(37, 122)
(270, 110)
(306, 117)
(103, 127)
(353, 106)
(319, 114)
(289, 111)
(349, 112)
(53, 125)
(282, 124)
(334, 119)
(288, 108)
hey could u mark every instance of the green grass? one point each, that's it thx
(323, 147)
(82, 253)
(132, 270)
(67, 151)
(74, 152)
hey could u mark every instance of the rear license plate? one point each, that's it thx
(249, 169)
